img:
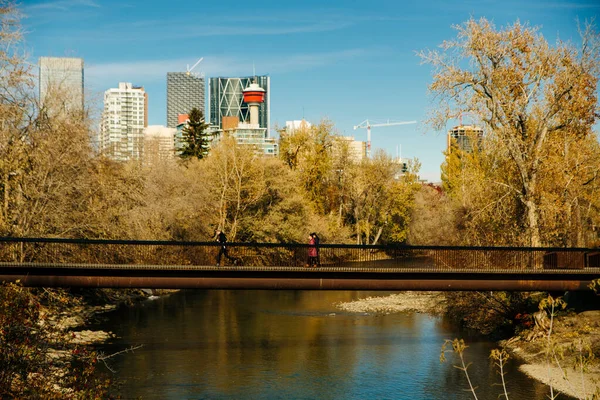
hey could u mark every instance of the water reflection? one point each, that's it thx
(290, 344)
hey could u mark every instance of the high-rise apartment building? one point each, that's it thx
(61, 83)
(226, 96)
(184, 92)
(123, 121)
(464, 137)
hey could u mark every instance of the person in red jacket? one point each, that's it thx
(317, 241)
(312, 252)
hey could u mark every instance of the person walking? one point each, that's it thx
(317, 241)
(312, 252)
(222, 239)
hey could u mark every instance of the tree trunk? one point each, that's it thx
(378, 235)
(579, 224)
(357, 226)
(6, 194)
(532, 222)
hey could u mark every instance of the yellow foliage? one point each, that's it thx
(534, 181)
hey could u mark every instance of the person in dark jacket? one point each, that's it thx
(222, 239)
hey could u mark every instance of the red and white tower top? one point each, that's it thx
(253, 96)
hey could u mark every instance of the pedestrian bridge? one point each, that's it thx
(166, 264)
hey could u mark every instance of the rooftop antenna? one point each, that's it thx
(253, 69)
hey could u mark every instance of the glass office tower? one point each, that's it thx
(227, 100)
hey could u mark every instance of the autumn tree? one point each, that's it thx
(282, 214)
(293, 144)
(433, 218)
(196, 140)
(379, 199)
(398, 214)
(176, 204)
(15, 85)
(309, 151)
(526, 93)
(570, 205)
(236, 178)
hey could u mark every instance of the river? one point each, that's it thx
(225, 344)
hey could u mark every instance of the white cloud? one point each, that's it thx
(148, 30)
(149, 71)
(61, 5)
(572, 5)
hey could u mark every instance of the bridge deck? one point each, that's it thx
(113, 263)
(281, 277)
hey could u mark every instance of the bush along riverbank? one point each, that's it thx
(44, 353)
(560, 346)
(557, 342)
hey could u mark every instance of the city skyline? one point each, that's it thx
(343, 62)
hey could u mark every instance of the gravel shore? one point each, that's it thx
(421, 302)
(567, 381)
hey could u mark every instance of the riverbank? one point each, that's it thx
(575, 337)
(93, 304)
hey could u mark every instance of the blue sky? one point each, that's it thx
(343, 60)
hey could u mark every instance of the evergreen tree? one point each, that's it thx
(196, 140)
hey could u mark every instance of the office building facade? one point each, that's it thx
(123, 121)
(159, 144)
(226, 99)
(61, 83)
(184, 92)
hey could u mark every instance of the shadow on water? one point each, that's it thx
(223, 344)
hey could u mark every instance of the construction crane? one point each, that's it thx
(366, 124)
(189, 70)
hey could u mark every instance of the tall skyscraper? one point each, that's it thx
(61, 82)
(123, 121)
(227, 100)
(184, 92)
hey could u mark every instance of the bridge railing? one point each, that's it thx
(189, 254)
